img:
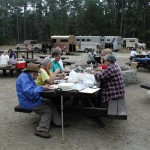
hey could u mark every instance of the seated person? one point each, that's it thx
(12, 57)
(133, 54)
(114, 84)
(29, 98)
(91, 57)
(103, 54)
(55, 63)
(60, 61)
(4, 59)
(46, 76)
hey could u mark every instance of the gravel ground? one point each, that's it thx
(17, 129)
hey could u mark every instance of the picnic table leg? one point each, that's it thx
(4, 72)
(32, 55)
(62, 119)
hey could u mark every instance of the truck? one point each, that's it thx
(30, 44)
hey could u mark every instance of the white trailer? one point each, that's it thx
(86, 42)
(129, 43)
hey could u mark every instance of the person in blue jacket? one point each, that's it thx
(29, 98)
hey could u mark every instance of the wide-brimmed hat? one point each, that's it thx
(31, 67)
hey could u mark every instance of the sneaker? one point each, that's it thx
(43, 134)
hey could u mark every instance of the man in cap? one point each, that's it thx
(29, 98)
(114, 84)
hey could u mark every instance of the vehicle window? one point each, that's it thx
(131, 41)
(83, 39)
(63, 40)
(53, 40)
(78, 39)
(34, 42)
(88, 40)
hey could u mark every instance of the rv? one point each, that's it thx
(129, 43)
(67, 42)
(87, 42)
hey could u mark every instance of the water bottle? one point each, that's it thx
(91, 65)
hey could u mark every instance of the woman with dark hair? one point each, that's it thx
(12, 57)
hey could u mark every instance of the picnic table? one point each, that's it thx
(143, 62)
(1, 51)
(141, 55)
(43, 56)
(25, 51)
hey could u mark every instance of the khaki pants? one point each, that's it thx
(47, 112)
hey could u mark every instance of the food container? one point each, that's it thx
(21, 64)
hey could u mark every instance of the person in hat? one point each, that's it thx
(29, 98)
(46, 76)
(112, 77)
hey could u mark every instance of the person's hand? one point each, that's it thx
(46, 87)
(63, 75)
(98, 65)
(57, 71)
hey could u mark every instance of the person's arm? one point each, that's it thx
(30, 89)
(105, 74)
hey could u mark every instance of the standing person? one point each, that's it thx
(114, 84)
(29, 98)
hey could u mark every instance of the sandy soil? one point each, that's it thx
(17, 129)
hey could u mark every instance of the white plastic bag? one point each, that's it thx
(88, 80)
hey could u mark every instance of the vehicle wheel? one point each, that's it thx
(86, 50)
(128, 48)
(64, 52)
(18, 48)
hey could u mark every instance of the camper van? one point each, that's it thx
(87, 42)
(67, 42)
(129, 43)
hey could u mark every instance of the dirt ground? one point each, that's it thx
(17, 129)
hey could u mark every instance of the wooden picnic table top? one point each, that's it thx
(1, 51)
(43, 56)
(25, 51)
(141, 55)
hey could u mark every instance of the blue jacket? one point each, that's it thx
(28, 91)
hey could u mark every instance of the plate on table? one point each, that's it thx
(57, 81)
(53, 86)
(66, 78)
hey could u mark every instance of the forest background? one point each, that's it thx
(39, 19)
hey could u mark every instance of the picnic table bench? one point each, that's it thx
(65, 63)
(11, 69)
(116, 110)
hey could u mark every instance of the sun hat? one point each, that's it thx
(31, 67)
(46, 61)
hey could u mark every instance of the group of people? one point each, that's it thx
(34, 80)
(8, 59)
